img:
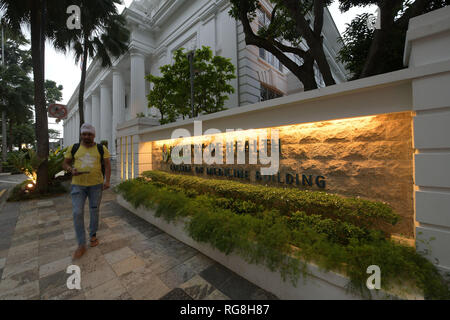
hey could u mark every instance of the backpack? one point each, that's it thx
(76, 146)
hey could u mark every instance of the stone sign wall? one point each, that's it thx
(369, 157)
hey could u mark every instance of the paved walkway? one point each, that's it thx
(134, 259)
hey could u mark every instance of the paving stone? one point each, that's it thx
(217, 295)
(80, 296)
(29, 248)
(55, 287)
(261, 294)
(176, 276)
(110, 290)
(197, 287)
(142, 245)
(158, 262)
(128, 265)
(150, 287)
(55, 266)
(26, 228)
(199, 262)
(91, 260)
(134, 278)
(118, 255)
(26, 292)
(125, 231)
(54, 254)
(113, 222)
(4, 253)
(106, 247)
(94, 278)
(49, 235)
(24, 237)
(5, 244)
(176, 294)
(47, 226)
(216, 275)
(238, 288)
(14, 269)
(69, 235)
(18, 279)
(44, 203)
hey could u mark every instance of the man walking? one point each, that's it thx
(91, 172)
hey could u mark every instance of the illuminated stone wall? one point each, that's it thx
(369, 157)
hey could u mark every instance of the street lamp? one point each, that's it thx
(190, 57)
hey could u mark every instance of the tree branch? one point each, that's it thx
(304, 72)
(318, 17)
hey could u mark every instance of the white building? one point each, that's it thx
(158, 27)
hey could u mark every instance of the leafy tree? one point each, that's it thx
(23, 133)
(367, 52)
(171, 93)
(290, 25)
(53, 92)
(103, 34)
(16, 87)
(53, 134)
(45, 21)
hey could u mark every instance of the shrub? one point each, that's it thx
(284, 243)
(360, 212)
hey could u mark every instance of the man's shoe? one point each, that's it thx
(94, 241)
(79, 252)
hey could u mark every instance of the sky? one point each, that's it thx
(62, 69)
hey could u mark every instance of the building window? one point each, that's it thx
(262, 53)
(126, 105)
(268, 93)
(264, 21)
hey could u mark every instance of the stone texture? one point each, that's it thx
(197, 287)
(111, 290)
(367, 157)
(34, 257)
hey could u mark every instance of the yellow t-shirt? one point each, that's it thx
(87, 159)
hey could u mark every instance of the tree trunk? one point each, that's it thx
(82, 83)
(37, 53)
(306, 75)
(323, 65)
(375, 61)
(10, 129)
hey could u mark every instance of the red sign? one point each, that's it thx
(56, 110)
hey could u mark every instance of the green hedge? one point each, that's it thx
(360, 212)
(269, 238)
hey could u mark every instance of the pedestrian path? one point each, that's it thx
(134, 259)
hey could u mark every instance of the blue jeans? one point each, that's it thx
(79, 194)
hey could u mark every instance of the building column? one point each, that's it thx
(95, 105)
(105, 114)
(428, 42)
(88, 111)
(69, 133)
(77, 125)
(66, 132)
(138, 98)
(72, 125)
(118, 115)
